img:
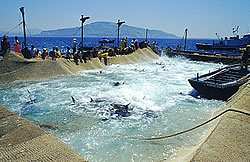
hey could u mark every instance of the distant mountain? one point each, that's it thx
(107, 29)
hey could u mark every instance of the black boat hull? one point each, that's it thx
(200, 46)
(195, 56)
(220, 84)
(214, 91)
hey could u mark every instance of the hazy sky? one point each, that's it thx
(203, 18)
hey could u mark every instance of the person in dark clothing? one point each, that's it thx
(44, 54)
(245, 57)
(5, 44)
(52, 53)
(26, 53)
(76, 57)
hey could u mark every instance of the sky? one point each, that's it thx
(203, 18)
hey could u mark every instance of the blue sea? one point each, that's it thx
(62, 42)
(157, 93)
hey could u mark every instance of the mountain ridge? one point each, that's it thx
(108, 30)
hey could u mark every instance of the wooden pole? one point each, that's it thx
(185, 39)
(24, 30)
(119, 23)
(83, 19)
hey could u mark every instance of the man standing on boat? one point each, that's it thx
(245, 57)
(5, 44)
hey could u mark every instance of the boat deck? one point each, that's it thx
(227, 76)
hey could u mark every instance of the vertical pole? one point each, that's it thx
(118, 31)
(83, 19)
(119, 23)
(24, 31)
(82, 33)
(146, 34)
(185, 39)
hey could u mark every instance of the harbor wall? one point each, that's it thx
(21, 140)
(229, 141)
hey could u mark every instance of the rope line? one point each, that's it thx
(13, 28)
(28, 30)
(185, 131)
(77, 30)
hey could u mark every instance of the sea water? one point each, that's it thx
(158, 96)
(63, 42)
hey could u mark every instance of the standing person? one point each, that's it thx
(74, 45)
(132, 42)
(245, 57)
(154, 46)
(136, 44)
(16, 45)
(5, 44)
(125, 42)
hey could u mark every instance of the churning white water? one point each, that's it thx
(159, 104)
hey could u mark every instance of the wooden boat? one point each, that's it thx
(199, 56)
(220, 84)
(226, 58)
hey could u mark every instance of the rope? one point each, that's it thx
(185, 131)
(28, 30)
(182, 39)
(19, 29)
(13, 28)
(76, 32)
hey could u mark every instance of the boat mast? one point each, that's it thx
(83, 19)
(24, 31)
(119, 23)
(186, 30)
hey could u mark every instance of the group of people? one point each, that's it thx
(76, 53)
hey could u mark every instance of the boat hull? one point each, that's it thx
(200, 46)
(195, 56)
(213, 91)
(222, 83)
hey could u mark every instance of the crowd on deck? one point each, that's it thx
(76, 52)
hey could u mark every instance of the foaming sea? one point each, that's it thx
(158, 96)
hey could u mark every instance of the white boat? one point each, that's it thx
(232, 43)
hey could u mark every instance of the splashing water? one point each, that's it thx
(159, 104)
